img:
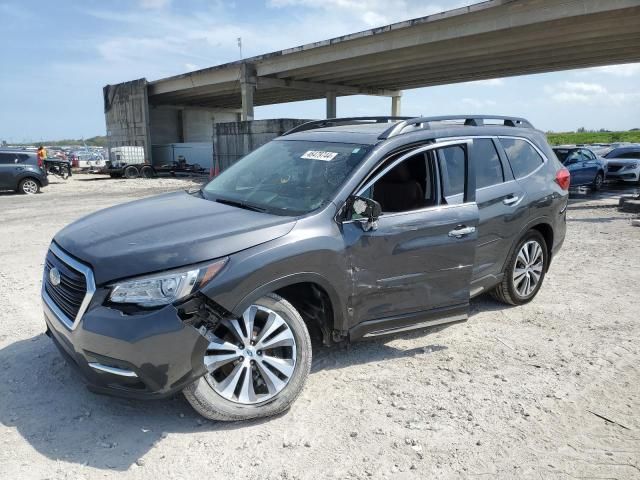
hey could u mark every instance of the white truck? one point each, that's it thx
(128, 162)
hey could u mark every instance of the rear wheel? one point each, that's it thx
(131, 172)
(29, 186)
(525, 271)
(147, 172)
(257, 364)
(598, 181)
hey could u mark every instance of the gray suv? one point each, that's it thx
(20, 171)
(341, 229)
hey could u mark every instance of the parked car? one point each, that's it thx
(585, 167)
(87, 160)
(20, 170)
(623, 163)
(345, 229)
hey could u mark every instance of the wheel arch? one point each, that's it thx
(541, 225)
(27, 176)
(311, 294)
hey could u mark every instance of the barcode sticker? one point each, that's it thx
(317, 155)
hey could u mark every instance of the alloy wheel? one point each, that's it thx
(251, 359)
(29, 187)
(528, 268)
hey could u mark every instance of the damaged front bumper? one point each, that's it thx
(152, 354)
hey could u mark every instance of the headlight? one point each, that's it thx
(164, 288)
(631, 166)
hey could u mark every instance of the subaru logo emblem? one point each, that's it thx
(54, 276)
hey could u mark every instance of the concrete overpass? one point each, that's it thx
(496, 38)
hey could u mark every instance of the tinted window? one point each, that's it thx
(23, 158)
(7, 158)
(451, 163)
(623, 153)
(588, 154)
(523, 158)
(487, 162)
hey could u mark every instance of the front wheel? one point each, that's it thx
(524, 271)
(256, 365)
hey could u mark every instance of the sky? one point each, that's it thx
(57, 55)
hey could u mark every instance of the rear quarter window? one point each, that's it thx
(523, 158)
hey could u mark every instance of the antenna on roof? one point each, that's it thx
(240, 46)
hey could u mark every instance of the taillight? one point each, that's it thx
(563, 178)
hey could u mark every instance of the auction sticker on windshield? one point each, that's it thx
(317, 155)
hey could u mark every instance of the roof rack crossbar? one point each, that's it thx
(330, 122)
(469, 120)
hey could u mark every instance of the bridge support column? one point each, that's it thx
(332, 104)
(247, 89)
(396, 105)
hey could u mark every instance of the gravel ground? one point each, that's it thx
(512, 393)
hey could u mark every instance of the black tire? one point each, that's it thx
(208, 403)
(598, 181)
(29, 186)
(147, 172)
(131, 172)
(505, 291)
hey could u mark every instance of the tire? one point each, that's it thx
(131, 172)
(598, 181)
(29, 186)
(147, 172)
(206, 394)
(506, 291)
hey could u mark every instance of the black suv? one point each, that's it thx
(20, 171)
(342, 228)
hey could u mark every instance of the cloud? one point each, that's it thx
(154, 4)
(627, 70)
(479, 103)
(588, 94)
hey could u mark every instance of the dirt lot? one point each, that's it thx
(512, 393)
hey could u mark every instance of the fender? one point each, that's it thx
(337, 305)
(544, 220)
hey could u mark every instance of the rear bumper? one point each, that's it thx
(148, 356)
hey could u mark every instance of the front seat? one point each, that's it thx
(397, 191)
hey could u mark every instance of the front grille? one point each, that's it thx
(70, 292)
(614, 168)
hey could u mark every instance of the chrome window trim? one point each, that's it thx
(409, 212)
(409, 154)
(71, 324)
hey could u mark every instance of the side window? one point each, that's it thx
(23, 158)
(487, 162)
(7, 158)
(588, 155)
(408, 186)
(523, 158)
(451, 164)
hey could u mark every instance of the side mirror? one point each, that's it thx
(366, 208)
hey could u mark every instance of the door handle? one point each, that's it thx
(511, 200)
(461, 231)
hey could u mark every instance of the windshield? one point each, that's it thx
(287, 177)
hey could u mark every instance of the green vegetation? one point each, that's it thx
(571, 138)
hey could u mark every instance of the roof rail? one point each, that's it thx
(469, 120)
(329, 122)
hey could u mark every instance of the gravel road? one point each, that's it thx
(514, 392)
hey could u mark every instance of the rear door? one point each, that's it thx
(501, 203)
(590, 165)
(416, 265)
(8, 170)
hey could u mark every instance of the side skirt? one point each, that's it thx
(410, 321)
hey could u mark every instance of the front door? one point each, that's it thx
(417, 264)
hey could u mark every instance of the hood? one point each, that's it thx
(164, 232)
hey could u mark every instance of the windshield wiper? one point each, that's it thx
(246, 206)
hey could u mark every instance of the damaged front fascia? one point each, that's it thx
(202, 313)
